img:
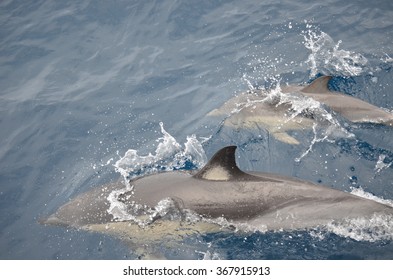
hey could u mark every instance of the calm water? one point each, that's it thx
(82, 82)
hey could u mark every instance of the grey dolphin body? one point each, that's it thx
(221, 190)
(256, 109)
(351, 108)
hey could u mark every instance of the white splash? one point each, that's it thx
(326, 56)
(166, 208)
(387, 59)
(381, 165)
(169, 155)
(326, 126)
(117, 208)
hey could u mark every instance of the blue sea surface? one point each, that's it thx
(82, 82)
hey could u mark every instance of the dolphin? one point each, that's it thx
(202, 200)
(353, 109)
(297, 108)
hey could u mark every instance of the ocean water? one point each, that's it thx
(91, 91)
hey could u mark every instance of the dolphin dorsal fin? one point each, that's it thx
(222, 167)
(319, 85)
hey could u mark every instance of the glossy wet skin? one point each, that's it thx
(296, 202)
(274, 201)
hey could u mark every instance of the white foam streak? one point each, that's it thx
(371, 229)
(116, 207)
(313, 142)
(360, 192)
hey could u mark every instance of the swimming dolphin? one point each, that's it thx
(351, 108)
(220, 190)
(292, 111)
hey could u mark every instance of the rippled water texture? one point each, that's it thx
(94, 91)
